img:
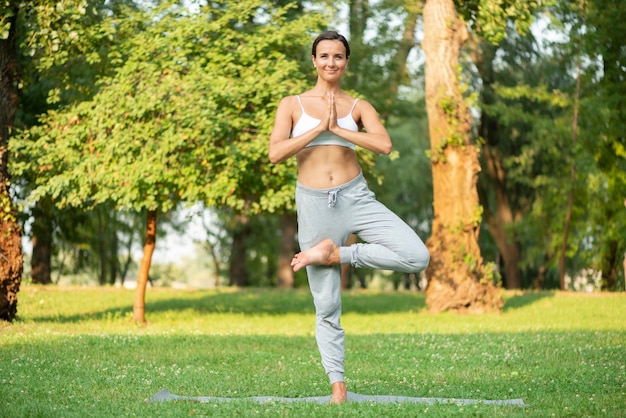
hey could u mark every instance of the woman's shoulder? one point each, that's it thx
(288, 101)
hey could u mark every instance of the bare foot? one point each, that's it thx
(325, 253)
(340, 393)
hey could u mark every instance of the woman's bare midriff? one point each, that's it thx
(326, 166)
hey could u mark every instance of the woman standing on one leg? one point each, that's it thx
(321, 127)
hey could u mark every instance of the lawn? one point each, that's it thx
(75, 352)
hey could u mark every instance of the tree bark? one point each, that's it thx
(289, 229)
(139, 307)
(456, 275)
(11, 258)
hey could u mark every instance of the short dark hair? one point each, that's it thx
(330, 35)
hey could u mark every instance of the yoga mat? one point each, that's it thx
(165, 395)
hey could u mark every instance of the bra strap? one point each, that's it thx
(301, 106)
(353, 105)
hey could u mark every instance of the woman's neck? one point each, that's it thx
(322, 88)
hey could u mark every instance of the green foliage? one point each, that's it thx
(64, 47)
(186, 117)
(539, 171)
(535, 106)
(490, 18)
(406, 186)
(373, 68)
(603, 114)
(491, 274)
(78, 352)
(6, 13)
(6, 208)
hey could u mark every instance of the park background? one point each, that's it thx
(131, 112)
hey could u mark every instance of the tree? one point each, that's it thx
(605, 24)
(506, 194)
(185, 118)
(528, 120)
(523, 125)
(407, 187)
(500, 216)
(63, 49)
(457, 278)
(10, 231)
(287, 243)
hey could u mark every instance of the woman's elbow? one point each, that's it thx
(274, 157)
(387, 148)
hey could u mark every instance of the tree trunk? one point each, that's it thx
(288, 226)
(129, 258)
(215, 260)
(139, 307)
(238, 275)
(213, 251)
(570, 199)
(114, 262)
(610, 260)
(624, 271)
(500, 222)
(346, 269)
(407, 43)
(10, 232)
(456, 275)
(540, 283)
(42, 243)
(359, 11)
(101, 245)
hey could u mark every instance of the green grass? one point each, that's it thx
(77, 353)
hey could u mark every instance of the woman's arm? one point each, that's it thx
(375, 138)
(282, 146)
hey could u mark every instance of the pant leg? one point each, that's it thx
(335, 214)
(316, 222)
(390, 243)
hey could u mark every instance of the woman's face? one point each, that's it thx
(330, 59)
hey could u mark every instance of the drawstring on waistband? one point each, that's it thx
(332, 198)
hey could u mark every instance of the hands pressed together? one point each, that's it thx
(329, 122)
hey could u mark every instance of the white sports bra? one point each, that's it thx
(306, 123)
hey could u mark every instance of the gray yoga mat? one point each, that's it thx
(166, 395)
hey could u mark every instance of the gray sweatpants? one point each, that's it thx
(390, 245)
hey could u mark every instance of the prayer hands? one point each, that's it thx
(330, 117)
(332, 122)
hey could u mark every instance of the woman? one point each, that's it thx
(322, 127)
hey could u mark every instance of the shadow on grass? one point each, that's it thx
(524, 299)
(273, 302)
(258, 302)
